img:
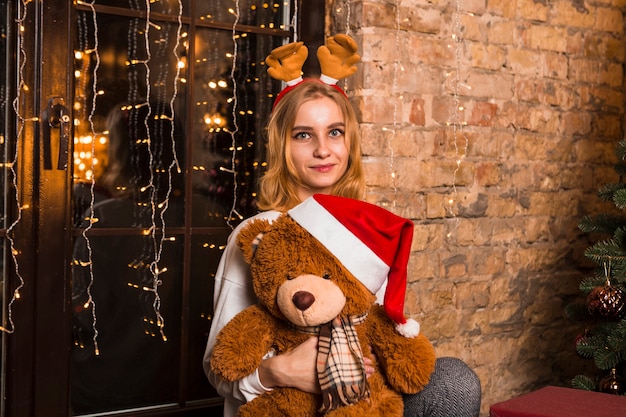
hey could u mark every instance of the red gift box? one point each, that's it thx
(561, 402)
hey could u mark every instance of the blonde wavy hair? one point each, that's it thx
(277, 188)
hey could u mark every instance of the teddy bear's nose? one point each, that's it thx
(303, 300)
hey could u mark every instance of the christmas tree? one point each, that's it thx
(604, 312)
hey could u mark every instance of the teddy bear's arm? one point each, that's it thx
(407, 362)
(242, 343)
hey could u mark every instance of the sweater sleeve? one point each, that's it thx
(232, 294)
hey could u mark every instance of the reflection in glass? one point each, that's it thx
(142, 160)
(262, 14)
(156, 6)
(221, 140)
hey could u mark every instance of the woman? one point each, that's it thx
(314, 147)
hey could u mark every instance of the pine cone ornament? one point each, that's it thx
(607, 301)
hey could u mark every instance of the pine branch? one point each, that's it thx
(619, 198)
(584, 349)
(589, 283)
(584, 383)
(577, 312)
(606, 251)
(607, 191)
(606, 359)
(620, 150)
(601, 223)
(620, 167)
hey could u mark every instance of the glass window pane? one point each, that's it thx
(129, 363)
(263, 14)
(129, 143)
(205, 252)
(229, 131)
(156, 6)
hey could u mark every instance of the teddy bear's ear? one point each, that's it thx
(249, 237)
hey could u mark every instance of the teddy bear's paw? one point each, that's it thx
(383, 402)
(281, 402)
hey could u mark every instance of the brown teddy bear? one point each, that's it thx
(315, 270)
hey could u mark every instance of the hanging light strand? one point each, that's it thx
(22, 13)
(154, 151)
(233, 133)
(394, 88)
(174, 165)
(348, 10)
(457, 118)
(90, 301)
(294, 21)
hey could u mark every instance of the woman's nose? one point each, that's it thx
(321, 150)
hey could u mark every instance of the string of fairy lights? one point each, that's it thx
(457, 121)
(235, 102)
(397, 65)
(22, 88)
(90, 304)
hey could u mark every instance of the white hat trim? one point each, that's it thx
(355, 255)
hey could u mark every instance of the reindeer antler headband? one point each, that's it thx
(337, 61)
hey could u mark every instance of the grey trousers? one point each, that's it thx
(453, 391)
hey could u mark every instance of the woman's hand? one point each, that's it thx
(296, 369)
(369, 365)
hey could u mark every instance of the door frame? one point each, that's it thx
(37, 352)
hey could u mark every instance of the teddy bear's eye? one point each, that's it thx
(289, 277)
(326, 275)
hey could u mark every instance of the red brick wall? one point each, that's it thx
(537, 89)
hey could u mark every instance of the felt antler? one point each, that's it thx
(285, 62)
(337, 57)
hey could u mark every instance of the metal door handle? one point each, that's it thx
(56, 116)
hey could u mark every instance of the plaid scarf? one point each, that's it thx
(340, 367)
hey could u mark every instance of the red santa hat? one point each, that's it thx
(372, 243)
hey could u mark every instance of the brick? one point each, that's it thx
(533, 10)
(420, 19)
(490, 85)
(504, 8)
(523, 61)
(487, 57)
(573, 15)
(482, 114)
(554, 65)
(488, 173)
(502, 32)
(417, 115)
(379, 15)
(547, 38)
(609, 19)
(578, 123)
(474, 28)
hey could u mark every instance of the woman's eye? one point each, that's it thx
(301, 135)
(326, 275)
(336, 133)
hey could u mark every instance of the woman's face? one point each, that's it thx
(318, 146)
